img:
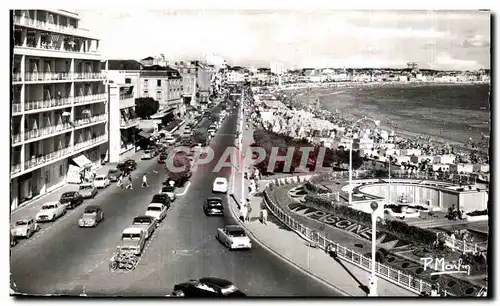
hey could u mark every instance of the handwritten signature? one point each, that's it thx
(442, 267)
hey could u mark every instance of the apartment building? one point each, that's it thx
(197, 77)
(59, 108)
(163, 84)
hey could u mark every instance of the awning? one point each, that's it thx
(144, 134)
(162, 113)
(81, 161)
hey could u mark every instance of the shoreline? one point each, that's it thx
(351, 110)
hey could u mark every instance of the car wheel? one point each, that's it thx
(53, 218)
(28, 234)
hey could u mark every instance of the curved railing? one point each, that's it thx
(390, 274)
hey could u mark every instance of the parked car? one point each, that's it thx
(234, 237)
(92, 216)
(162, 158)
(170, 140)
(157, 210)
(88, 190)
(213, 207)
(207, 287)
(220, 185)
(24, 228)
(169, 191)
(162, 199)
(101, 181)
(127, 166)
(132, 240)
(50, 211)
(114, 174)
(147, 154)
(71, 199)
(147, 223)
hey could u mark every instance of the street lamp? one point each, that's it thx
(376, 122)
(372, 282)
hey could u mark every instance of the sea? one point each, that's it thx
(452, 113)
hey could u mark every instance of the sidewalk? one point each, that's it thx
(32, 207)
(346, 278)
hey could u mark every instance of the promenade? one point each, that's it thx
(346, 278)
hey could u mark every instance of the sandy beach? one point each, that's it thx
(414, 117)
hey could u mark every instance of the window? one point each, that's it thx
(146, 82)
(158, 83)
(158, 95)
(146, 93)
(61, 173)
(128, 81)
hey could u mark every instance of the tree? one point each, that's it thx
(146, 107)
(180, 159)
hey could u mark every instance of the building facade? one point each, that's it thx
(198, 75)
(188, 73)
(164, 84)
(59, 109)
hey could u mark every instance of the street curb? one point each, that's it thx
(185, 190)
(290, 262)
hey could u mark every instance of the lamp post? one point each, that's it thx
(376, 122)
(243, 201)
(372, 282)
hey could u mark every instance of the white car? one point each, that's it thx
(101, 181)
(24, 228)
(147, 154)
(50, 211)
(157, 210)
(233, 237)
(220, 185)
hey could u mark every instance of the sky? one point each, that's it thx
(298, 38)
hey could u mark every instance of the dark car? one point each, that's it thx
(162, 158)
(114, 174)
(127, 166)
(71, 199)
(207, 287)
(213, 207)
(162, 199)
(179, 182)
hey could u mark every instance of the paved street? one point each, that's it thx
(65, 259)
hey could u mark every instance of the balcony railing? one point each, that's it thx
(88, 75)
(15, 168)
(16, 77)
(30, 134)
(16, 138)
(47, 76)
(55, 47)
(41, 159)
(16, 108)
(84, 121)
(90, 98)
(129, 96)
(41, 104)
(129, 122)
(90, 142)
(43, 25)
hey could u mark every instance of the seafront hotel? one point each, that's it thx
(59, 102)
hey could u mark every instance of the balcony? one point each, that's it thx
(89, 76)
(47, 76)
(45, 158)
(90, 142)
(46, 104)
(43, 25)
(127, 123)
(15, 168)
(16, 108)
(46, 131)
(91, 120)
(90, 98)
(125, 96)
(16, 138)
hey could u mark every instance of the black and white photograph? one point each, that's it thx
(250, 152)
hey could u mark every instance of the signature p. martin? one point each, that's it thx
(441, 267)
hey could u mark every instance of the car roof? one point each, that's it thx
(156, 205)
(92, 207)
(233, 227)
(51, 203)
(101, 176)
(220, 179)
(217, 281)
(132, 230)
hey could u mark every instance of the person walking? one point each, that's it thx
(244, 212)
(144, 181)
(249, 209)
(119, 183)
(129, 186)
(263, 214)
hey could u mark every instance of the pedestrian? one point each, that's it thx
(249, 209)
(129, 186)
(263, 214)
(119, 183)
(82, 176)
(244, 212)
(144, 181)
